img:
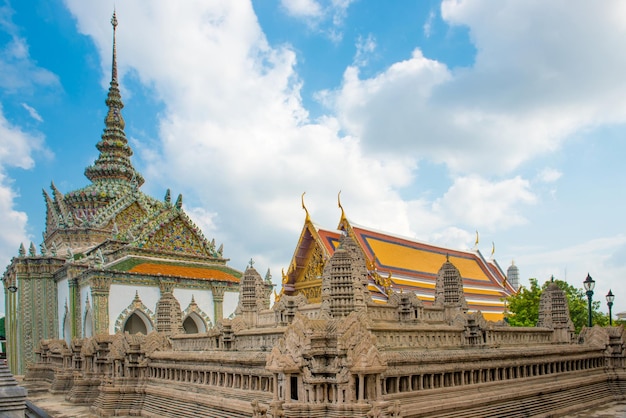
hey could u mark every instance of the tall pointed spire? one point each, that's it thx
(113, 166)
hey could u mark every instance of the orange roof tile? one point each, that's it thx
(184, 271)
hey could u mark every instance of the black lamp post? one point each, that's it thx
(589, 284)
(609, 301)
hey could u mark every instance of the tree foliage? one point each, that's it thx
(523, 307)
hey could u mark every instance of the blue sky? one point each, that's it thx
(435, 119)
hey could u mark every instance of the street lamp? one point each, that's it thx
(589, 284)
(609, 301)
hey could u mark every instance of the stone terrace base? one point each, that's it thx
(54, 404)
(556, 397)
(12, 396)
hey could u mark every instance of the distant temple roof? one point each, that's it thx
(397, 264)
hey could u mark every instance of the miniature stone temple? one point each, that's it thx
(366, 324)
(345, 356)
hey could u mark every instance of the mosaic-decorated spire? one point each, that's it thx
(113, 164)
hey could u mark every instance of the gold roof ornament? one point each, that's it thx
(343, 214)
(308, 218)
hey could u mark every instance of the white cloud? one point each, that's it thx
(596, 257)
(17, 146)
(532, 85)
(364, 48)
(32, 112)
(473, 200)
(19, 72)
(302, 8)
(549, 175)
(428, 25)
(325, 17)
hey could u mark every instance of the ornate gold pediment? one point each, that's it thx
(176, 236)
(309, 283)
(132, 214)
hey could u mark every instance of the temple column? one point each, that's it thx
(287, 387)
(75, 308)
(100, 287)
(218, 300)
(361, 384)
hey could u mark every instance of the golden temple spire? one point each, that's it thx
(114, 61)
(113, 166)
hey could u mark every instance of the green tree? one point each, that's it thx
(523, 307)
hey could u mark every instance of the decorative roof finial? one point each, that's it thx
(308, 218)
(114, 62)
(343, 214)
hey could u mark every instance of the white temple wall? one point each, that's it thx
(121, 296)
(85, 292)
(231, 300)
(63, 296)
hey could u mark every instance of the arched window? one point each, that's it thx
(135, 318)
(190, 326)
(194, 324)
(137, 322)
(88, 323)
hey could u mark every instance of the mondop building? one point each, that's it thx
(124, 310)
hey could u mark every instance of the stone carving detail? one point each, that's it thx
(168, 315)
(315, 266)
(449, 287)
(553, 308)
(156, 341)
(344, 281)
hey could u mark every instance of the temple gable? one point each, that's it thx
(176, 236)
(132, 214)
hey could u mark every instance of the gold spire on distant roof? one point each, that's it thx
(343, 214)
(308, 218)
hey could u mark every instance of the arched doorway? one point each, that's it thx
(137, 322)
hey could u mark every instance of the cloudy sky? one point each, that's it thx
(435, 119)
